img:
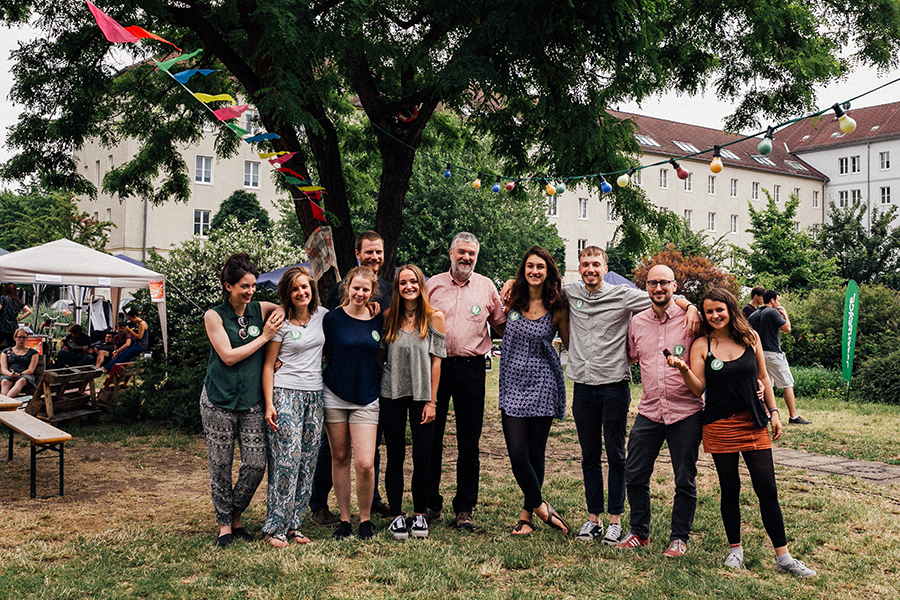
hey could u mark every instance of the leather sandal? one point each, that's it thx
(560, 523)
(298, 537)
(521, 525)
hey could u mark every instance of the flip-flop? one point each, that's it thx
(522, 524)
(279, 537)
(226, 539)
(242, 533)
(552, 514)
(298, 537)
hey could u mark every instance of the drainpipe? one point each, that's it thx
(144, 241)
(869, 183)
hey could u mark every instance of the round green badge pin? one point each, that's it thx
(579, 304)
(376, 336)
(475, 310)
(514, 315)
(678, 350)
(253, 330)
(716, 364)
(295, 334)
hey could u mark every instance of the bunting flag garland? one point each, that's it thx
(294, 173)
(282, 159)
(311, 188)
(207, 98)
(265, 155)
(317, 211)
(237, 129)
(166, 65)
(184, 76)
(231, 112)
(117, 34)
(262, 137)
(294, 181)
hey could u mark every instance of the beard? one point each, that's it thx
(462, 271)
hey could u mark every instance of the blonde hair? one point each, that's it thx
(423, 310)
(365, 273)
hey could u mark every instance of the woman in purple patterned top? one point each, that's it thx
(532, 389)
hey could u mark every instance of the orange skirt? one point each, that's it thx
(737, 433)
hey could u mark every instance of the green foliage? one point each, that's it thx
(817, 381)
(677, 232)
(783, 256)
(244, 207)
(817, 322)
(878, 379)
(170, 386)
(865, 253)
(37, 217)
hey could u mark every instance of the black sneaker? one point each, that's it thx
(344, 530)
(398, 528)
(464, 521)
(798, 420)
(366, 530)
(419, 527)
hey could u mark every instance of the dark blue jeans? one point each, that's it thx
(601, 412)
(462, 378)
(644, 443)
(322, 484)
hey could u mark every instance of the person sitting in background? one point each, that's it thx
(102, 351)
(74, 352)
(17, 365)
(140, 340)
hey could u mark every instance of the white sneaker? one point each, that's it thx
(398, 528)
(796, 567)
(734, 561)
(613, 534)
(419, 527)
(590, 532)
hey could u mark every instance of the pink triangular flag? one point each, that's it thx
(230, 112)
(114, 32)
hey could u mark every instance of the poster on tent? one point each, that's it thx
(157, 291)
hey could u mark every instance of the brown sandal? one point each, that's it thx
(521, 525)
(560, 523)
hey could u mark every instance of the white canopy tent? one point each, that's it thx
(65, 262)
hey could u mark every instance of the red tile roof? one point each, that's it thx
(665, 133)
(872, 123)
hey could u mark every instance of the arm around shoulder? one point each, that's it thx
(561, 321)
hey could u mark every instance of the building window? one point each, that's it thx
(885, 195)
(754, 191)
(97, 173)
(734, 191)
(109, 163)
(843, 167)
(251, 174)
(582, 244)
(797, 226)
(842, 199)
(201, 222)
(207, 126)
(663, 209)
(856, 196)
(711, 185)
(815, 199)
(885, 160)
(711, 221)
(776, 193)
(734, 223)
(551, 206)
(109, 214)
(610, 213)
(203, 170)
(252, 122)
(636, 178)
(689, 183)
(726, 153)
(686, 146)
(689, 217)
(646, 140)
(763, 160)
(796, 192)
(855, 164)
(664, 179)
(582, 208)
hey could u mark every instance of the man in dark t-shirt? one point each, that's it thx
(769, 321)
(756, 300)
(369, 253)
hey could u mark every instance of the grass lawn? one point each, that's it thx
(136, 522)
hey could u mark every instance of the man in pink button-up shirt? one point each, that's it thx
(470, 302)
(669, 412)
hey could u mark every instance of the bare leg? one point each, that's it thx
(362, 438)
(17, 387)
(5, 386)
(341, 453)
(791, 404)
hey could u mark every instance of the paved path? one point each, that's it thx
(874, 472)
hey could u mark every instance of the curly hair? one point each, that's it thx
(739, 329)
(552, 294)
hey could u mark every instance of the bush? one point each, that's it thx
(878, 379)
(817, 381)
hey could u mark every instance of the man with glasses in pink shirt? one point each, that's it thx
(470, 302)
(669, 412)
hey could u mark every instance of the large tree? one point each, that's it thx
(865, 254)
(537, 76)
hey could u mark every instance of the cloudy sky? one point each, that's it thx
(705, 111)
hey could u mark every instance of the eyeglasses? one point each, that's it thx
(242, 321)
(659, 283)
(21, 337)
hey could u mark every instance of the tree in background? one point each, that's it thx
(695, 274)
(782, 258)
(38, 216)
(244, 207)
(536, 76)
(864, 254)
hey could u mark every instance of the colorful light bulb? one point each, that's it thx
(549, 189)
(496, 187)
(560, 187)
(765, 144)
(447, 172)
(604, 185)
(679, 170)
(624, 179)
(477, 183)
(510, 185)
(716, 164)
(845, 122)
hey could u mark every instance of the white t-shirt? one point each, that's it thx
(301, 353)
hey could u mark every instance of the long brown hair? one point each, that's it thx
(365, 273)
(286, 286)
(423, 309)
(739, 329)
(552, 295)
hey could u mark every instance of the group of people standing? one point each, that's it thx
(400, 355)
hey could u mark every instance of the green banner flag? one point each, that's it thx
(848, 338)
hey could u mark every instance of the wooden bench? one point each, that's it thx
(43, 436)
(118, 380)
(65, 394)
